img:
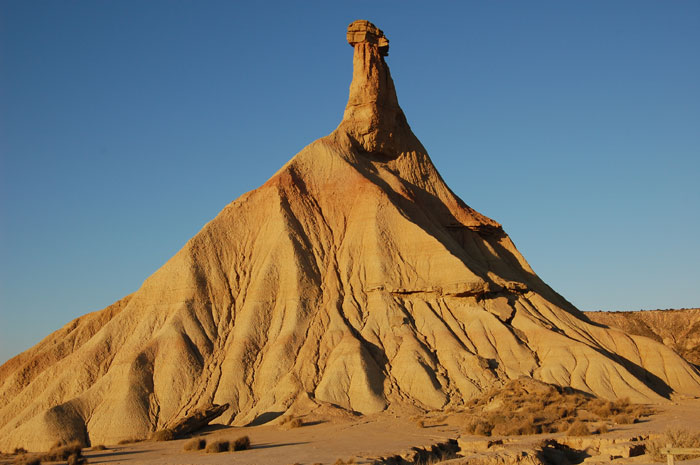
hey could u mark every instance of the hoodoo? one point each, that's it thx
(353, 279)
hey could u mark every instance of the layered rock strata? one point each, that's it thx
(677, 329)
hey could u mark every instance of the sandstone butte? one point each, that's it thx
(354, 278)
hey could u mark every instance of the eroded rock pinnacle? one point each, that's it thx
(373, 116)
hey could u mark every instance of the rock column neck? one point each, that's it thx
(372, 88)
(373, 116)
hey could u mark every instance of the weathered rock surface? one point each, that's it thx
(196, 420)
(352, 278)
(678, 329)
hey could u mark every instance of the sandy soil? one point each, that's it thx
(358, 439)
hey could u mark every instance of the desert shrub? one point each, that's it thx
(623, 419)
(241, 443)
(195, 444)
(130, 441)
(601, 408)
(163, 435)
(420, 423)
(99, 447)
(25, 460)
(58, 444)
(344, 462)
(677, 438)
(578, 428)
(75, 459)
(296, 423)
(602, 429)
(292, 422)
(56, 454)
(517, 428)
(19, 450)
(479, 426)
(534, 407)
(218, 446)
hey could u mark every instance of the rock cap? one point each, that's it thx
(362, 30)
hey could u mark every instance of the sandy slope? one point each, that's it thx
(678, 329)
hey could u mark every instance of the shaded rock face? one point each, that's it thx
(677, 329)
(352, 279)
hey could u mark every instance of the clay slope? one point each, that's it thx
(678, 329)
(353, 278)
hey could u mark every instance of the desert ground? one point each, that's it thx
(380, 438)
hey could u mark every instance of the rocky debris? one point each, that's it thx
(614, 447)
(197, 420)
(557, 450)
(440, 451)
(677, 329)
(500, 452)
(283, 302)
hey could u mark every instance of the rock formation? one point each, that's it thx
(353, 278)
(677, 329)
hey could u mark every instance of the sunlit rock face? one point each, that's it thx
(353, 278)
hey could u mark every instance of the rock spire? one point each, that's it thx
(373, 116)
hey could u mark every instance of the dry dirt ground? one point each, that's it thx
(360, 439)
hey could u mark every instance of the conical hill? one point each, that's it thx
(353, 278)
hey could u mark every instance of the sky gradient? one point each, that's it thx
(126, 125)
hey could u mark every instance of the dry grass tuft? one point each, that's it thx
(25, 460)
(677, 438)
(75, 459)
(292, 422)
(19, 450)
(344, 462)
(99, 447)
(218, 446)
(59, 453)
(241, 443)
(195, 444)
(130, 441)
(578, 428)
(602, 429)
(623, 419)
(534, 407)
(163, 435)
(479, 427)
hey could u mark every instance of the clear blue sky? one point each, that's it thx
(126, 125)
